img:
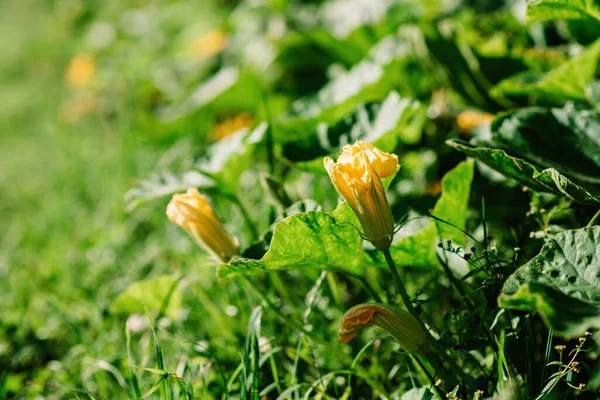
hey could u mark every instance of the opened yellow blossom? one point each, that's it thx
(404, 327)
(357, 177)
(192, 212)
(81, 70)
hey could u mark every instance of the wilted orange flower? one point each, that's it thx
(192, 212)
(231, 125)
(471, 119)
(81, 70)
(209, 44)
(404, 327)
(357, 177)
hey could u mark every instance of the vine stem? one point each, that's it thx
(594, 218)
(441, 352)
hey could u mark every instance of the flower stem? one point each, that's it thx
(435, 361)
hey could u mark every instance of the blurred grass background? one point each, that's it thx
(67, 246)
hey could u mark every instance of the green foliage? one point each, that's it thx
(541, 10)
(562, 283)
(242, 100)
(567, 82)
(563, 157)
(369, 80)
(420, 248)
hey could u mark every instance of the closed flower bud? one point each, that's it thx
(192, 212)
(404, 327)
(357, 177)
(468, 120)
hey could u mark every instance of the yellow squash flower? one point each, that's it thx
(192, 212)
(357, 177)
(81, 70)
(404, 327)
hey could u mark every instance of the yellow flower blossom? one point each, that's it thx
(357, 177)
(471, 119)
(192, 212)
(81, 70)
(209, 44)
(231, 125)
(404, 327)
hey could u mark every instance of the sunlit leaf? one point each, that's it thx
(568, 81)
(395, 119)
(541, 10)
(318, 240)
(370, 80)
(420, 248)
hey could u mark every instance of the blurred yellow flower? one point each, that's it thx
(357, 177)
(209, 44)
(231, 125)
(192, 212)
(404, 327)
(81, 70)
(471, 119)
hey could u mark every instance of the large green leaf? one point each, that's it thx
(555, 150)
(562, 282)
(546, 180)
(312, 240)
(568, 81)
(159, 294)
(570, 262)
(318, 240)
(383, 124)
(541, 10)
(370, 80)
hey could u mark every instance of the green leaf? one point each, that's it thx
(420, 248)
(159, 294)
(395, 119)
(370, 80)
(542, 10)
(551, 150)
(568, 81)
(547, 180)
(318, 240)
(562, 282)
(570, 262)
(312, 240)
